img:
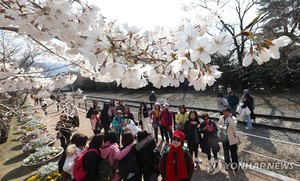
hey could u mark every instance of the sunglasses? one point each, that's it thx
(176, 139)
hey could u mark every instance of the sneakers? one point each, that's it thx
(246, 128)
(197, 160)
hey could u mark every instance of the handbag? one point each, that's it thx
(246, 111)
(179, 127)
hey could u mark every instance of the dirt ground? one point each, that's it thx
(11, 155)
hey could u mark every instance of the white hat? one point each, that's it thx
(166, 105)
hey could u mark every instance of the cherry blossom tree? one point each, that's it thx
(78, 34)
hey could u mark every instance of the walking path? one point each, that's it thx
(200, 173)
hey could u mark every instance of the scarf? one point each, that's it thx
(181, 167)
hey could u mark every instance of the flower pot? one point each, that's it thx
(35, 166)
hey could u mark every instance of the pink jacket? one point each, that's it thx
(94, 119)
(113, 152)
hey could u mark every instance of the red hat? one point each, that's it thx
(179, 134)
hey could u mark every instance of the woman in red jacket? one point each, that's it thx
(166, 118)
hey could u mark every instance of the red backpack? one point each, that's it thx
(78, 172)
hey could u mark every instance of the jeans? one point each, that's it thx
(233, 110)
(249, 122)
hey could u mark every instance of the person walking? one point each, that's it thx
(233, 101)
(247, 104)
(251, 100)
(176, 163)
(221, 103)
(152, 99)
(229, 138)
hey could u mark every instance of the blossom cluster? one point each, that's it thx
(106, 51)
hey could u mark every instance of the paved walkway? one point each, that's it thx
(200, 173)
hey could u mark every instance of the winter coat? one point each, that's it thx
(145, 112)
(91, 162)
(231, 129)
(188, 163)
(117, 124)
(105, 120)
(210, 138)
(71, 152)
(191, 132)
(222, 104)
(181, 117)
(155, 120)
(166, 118)
(152, 97)
(145, 149)
(232, 100)
(113, 153)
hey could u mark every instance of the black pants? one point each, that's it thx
(156, 133)
(214, 153)
(166, 132)
(106, 127)
(193, 147)
(233, 153)
(76, 121)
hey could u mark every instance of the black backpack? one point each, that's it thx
(106, 172)
(156, 156)
(128, 166)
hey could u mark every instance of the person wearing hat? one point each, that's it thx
(154, 116)
(119, 124)
(176, 163)
(229, 139)
(166, 118)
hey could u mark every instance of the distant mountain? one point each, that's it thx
(52, 69)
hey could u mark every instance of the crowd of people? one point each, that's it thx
(120, 138)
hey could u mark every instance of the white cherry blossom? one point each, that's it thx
(187, 38)
(276, 44)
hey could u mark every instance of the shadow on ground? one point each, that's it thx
(15, 159)
(18, 147)
(16, 173)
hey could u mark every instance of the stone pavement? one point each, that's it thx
(200, 173)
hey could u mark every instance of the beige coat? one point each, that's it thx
(231, 130)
